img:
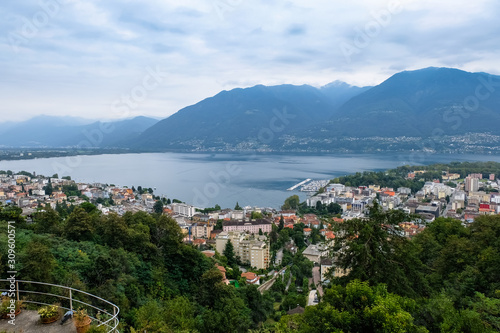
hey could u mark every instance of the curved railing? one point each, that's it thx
(71, 296)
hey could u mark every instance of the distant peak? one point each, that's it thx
(336, 83)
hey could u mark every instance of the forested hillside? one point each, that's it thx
(446, 279)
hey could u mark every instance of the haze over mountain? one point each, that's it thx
(417, 104)
(54, 132)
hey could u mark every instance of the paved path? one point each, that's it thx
(29, 322)
(317, 280)
(312, 296)
(279, 256)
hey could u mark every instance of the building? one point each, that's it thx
(251, 249)
(259, 255)
(201, 229)
(314, 252)
(404, 190)
(251, 278)
(492, 177)
(325, 266)
(471, 184)
(252, 227)
(434, 210)
(451, 176)
(183, 209)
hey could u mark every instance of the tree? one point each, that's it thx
(259, 305)
(334, 208)
(79, 225)
(38, 262)
(113, 231)
(229, 253)
(167, 235)
(218, 225)
(356, 308)
(291, 202)
(48, 189)
(237, 207)
(47, 221)
(89, 208)
(375, 250)
(281, 224)
(256, 215)
(158, 207)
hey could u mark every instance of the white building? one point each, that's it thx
(183, 209)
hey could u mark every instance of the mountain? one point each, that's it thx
(245, 118)
(418, 103)
(339, 92)
(449, 106)
(54, 132)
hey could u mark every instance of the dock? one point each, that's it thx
(299, 184)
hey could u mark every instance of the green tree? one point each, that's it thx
(256, 215)
(356, 308)
(229, 253)
(113, 231)
(47, 220)
(48, 189)
(334, 208)
(281, 224)
(79, 226)
(237, 207)
(291, 202)
(38, 262)
(158, 207)
(375, 250)
(89, 208)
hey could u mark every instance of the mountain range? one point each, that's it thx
(417, 104)
(57, 132)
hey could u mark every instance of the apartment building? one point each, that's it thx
(251, 249)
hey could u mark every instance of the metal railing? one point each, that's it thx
(69, 296)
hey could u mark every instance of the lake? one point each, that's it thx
(208, 179)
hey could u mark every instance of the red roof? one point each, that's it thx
(250, 276)
(329, 235)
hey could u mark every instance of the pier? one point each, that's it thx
(299, 184)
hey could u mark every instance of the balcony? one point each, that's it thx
(37, 294)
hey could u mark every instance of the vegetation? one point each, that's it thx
(396, 178)
(137, 261)
(49, 311)
(446, 279)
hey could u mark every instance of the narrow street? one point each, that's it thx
(317, 280)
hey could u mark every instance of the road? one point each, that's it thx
(312, 296)
(279, 256)
(317, 280)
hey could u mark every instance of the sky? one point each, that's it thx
(106, 59)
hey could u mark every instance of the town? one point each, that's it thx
(290, 254)
(249, 229)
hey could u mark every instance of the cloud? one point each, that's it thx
(85, 54)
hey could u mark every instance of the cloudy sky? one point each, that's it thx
(106, 59)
